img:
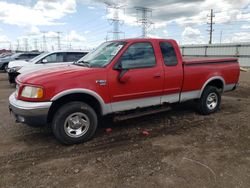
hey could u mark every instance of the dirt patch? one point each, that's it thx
(183, 149)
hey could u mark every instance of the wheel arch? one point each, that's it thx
(216, 81)
(84, 95)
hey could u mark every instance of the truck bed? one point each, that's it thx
(206, 60)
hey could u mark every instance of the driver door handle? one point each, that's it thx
(157, 75)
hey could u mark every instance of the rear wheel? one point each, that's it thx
(210, 100)
(74, 122)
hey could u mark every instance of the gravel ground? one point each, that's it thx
(183, 149)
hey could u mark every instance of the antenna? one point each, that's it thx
(143, 15)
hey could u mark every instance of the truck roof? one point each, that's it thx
(143, 39)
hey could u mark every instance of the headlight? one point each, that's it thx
(15, 69)
(32, 92)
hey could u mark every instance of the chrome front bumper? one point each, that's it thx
(31, 113)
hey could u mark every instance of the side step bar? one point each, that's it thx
(136, 114)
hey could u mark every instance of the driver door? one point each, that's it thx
(139, 80)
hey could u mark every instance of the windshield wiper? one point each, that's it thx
(82, 63)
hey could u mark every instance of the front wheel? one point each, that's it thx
(210, 100)
(74, 122)
(5, 67)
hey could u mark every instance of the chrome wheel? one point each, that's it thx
(76, 124)
(212, 101)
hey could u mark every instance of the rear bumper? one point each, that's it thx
(31, 113)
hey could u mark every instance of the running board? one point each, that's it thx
(132, 115)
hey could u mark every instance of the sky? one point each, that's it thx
(84, 24)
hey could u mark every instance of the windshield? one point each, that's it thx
(37, 58)
(102, 56)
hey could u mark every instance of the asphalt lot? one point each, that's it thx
(183, 149)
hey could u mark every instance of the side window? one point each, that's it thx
(138, 55)
(71, 57)
(23, 56)
(169, 54)
(32, 55)
(54, 58)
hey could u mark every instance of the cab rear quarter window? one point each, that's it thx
(168, 53)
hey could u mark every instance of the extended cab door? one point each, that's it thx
(173, 71)
(137, 78)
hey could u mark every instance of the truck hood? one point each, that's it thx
(17, 63)
(56, 74)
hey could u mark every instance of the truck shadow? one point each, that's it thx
(43, 146)
(159, 124)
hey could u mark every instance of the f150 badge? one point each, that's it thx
(101, 82)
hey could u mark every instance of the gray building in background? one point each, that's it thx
(238, 50)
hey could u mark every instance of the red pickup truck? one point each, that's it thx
(120, 78)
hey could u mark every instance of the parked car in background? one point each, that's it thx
(3, 55)
(127, 78)
(17, 56)
(43, 61)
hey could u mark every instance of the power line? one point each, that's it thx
(211, 23)
(44, 41)
(115, 20)
(58, 40)
(143, 15)
(35, 44)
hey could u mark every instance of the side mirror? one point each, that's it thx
(44, 61)
(123, 77)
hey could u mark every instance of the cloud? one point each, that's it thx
(42, 13)
(191, 36)
(34, 31)
(91, 8)
(75, 37)
(4, 38)
(238, 37)
(245, 27)
(183, 12)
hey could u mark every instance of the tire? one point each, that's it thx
(74, 123)
(5, 67)
(210, 100)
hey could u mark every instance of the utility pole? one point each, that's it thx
(143, 18)
(44, 41)
(10, 47)
(35, 44)
(26, 44)
(115, 20)
(221, 36)
(211, 23)
(18, 45)
(58, 40)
